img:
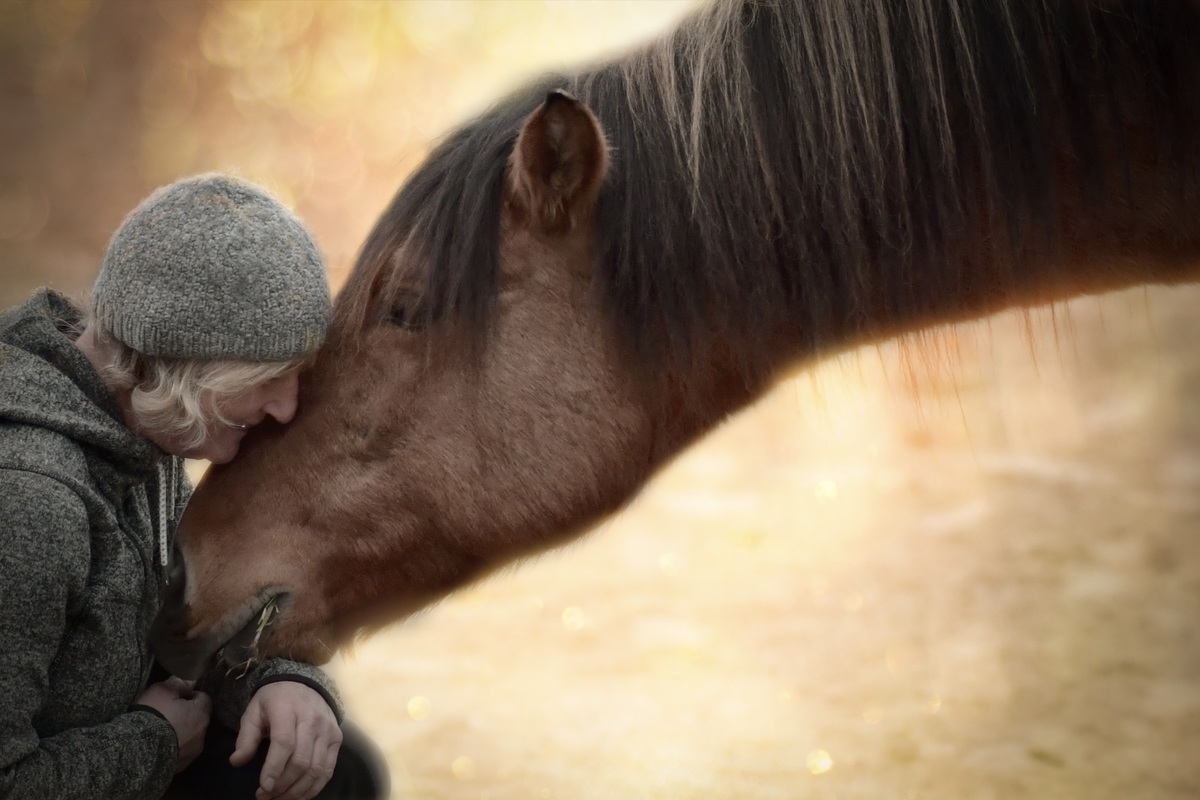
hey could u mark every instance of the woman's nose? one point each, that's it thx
(281, 402)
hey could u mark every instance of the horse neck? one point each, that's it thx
(1146, 235)
(765, 240)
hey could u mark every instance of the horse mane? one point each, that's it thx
(784, 166)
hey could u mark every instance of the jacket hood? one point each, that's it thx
(46, 381)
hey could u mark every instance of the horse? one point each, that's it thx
(583, 280)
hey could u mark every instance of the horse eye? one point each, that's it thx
(406, 317)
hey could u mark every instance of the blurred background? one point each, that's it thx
(960, 566)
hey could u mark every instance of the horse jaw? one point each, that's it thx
(188, 644)
(188, 650)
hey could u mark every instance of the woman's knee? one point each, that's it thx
(361, 772)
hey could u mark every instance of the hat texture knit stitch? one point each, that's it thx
(215, 268)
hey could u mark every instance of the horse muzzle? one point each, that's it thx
(184, 649)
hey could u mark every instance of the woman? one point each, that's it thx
(210, 297)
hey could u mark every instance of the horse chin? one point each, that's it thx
(234, 645)
(244, 650)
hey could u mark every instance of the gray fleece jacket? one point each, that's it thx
(87, 509)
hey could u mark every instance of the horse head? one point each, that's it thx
(419, 458)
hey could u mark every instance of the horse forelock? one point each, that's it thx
(446, 218)
(794, 165)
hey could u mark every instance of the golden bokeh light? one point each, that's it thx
(819, 762)
(574, 619)
(463, 768)
(419, 708)
(826, 491)
(669, 564)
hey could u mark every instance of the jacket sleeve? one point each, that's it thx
(231, 689)
(44, 561)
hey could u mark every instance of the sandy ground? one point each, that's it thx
(961, 569)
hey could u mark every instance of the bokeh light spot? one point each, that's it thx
(573, 618)
(826, 491)
(819, 762)
(419, 707)
(463, 768)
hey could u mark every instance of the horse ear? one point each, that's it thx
(558, 164)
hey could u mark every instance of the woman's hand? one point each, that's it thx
(305, 738)
(188, 712)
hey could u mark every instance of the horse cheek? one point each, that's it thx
(567, 413)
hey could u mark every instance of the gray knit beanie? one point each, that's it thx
(214, 268)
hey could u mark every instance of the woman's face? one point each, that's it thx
(276, 399)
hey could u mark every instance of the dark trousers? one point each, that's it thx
(360, 774)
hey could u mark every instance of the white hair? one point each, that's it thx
(178, 397)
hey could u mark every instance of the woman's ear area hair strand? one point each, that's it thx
(558, 164)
